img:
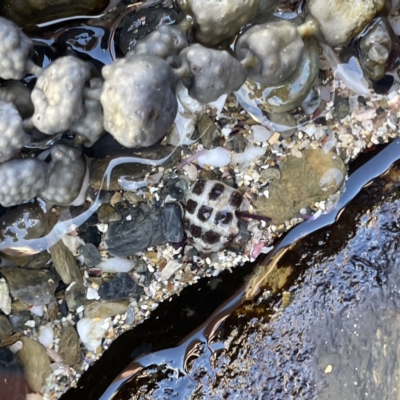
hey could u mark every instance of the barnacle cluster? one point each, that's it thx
(274, 62)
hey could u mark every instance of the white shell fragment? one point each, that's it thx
(46, 335)
(116, 264)
(91, 332)
(5, 300)
(218, 157)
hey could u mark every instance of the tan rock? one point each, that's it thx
(69, 346)
(65, 264)
(102, 309)
(304, 181)
(35, 362)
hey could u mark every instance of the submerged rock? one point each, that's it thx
(304, 181)
(285, 96)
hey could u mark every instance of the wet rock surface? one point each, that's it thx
(65, 264)
(144, 227)
(305, 180)
(119, 288)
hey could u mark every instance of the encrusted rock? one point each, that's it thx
(138, 100)
(304, 181)
(218, 19)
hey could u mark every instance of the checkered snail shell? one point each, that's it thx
(210, 221)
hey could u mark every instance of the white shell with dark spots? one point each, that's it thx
(210, 220)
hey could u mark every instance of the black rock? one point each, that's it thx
(341, 110)
(119, 288)
(177, 187)
(171, 217)
(91, 254)
(145, 227)
(89, 232)
(12, 380)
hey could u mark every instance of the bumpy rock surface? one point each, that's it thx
(337, 22)
(21, 180)
(15, 49)
(138, 100)
(219, 19)
(304, 181)
(276, 62)
(66, 177)
(211, 73)
(165, 42)
(210, 220)
(12, 135)
(58, 95)
(90, 126)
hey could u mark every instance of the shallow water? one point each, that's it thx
(335, 307)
